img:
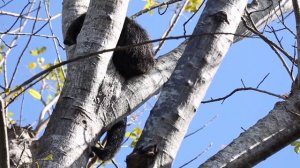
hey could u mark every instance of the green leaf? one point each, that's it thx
(38, 51)
(130, 135)
(46, 66)
(297, 149)
(193, 5)
(134, 135)
(296, 144)
(149, 4)
(138, 131)
(10, 114)
(32, 65)
(48, 157)
(35, 94)
(1, 47)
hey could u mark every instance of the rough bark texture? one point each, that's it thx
(86, 106)
(81, 110)
(270, 134)
(182, 94)
(297, 18)
(4, 155)
(20, 146)
(260, 17)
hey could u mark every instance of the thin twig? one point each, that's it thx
(172, 24)
(190, 18)
(153, 7)
(243, 89)
(55, 46)
(208, 147)
(25, 48)
(28, 17)
(272, 45)
(262, 80)
(12, 44)
(199, 129)
(94, 54)
(254, 30)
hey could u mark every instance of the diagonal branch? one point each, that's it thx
(182, 94)
(270, 134)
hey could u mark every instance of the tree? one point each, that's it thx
(95, 97)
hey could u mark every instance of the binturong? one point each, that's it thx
(130, 62)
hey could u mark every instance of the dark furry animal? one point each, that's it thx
(114, 139)
(130, 62)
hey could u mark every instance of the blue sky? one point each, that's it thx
(249, 60)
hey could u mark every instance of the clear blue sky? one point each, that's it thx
(249, 60)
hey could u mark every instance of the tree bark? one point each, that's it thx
(270, 134)
(80, 115)
(90, 104)
(4, 149)
(182, 94)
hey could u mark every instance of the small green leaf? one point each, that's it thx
(150, 3)
(134, 135)
(193, 5)
(32, 65)
(297, 149)
(130, 135)
(35, 94)
(38, 51)
(296, 144)
(10, 114)
(46, 66)
(138, 131)
(1, 47)
(48, 157)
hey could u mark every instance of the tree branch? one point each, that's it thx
(185, 89)
(270, 134)
(297, 18)
(4, 149)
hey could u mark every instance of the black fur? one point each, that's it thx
(130, 62)
(74, 30)
(114, 141)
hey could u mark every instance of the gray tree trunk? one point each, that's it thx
(90, 103)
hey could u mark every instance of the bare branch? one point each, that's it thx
(200, 154)
(270, 134)
(297, 18)
(273, 46)
(243, 89)
(4, 149)
(173, 21)
(28, 17)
